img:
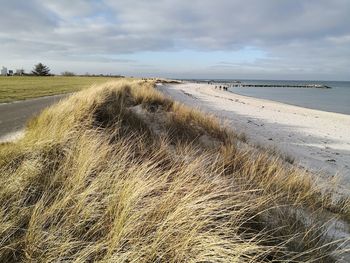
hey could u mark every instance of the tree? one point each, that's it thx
(41, 70)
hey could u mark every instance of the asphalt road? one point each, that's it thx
(13, 116)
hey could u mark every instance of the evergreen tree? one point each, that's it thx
(41, 70)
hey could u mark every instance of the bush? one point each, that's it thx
(68, 73)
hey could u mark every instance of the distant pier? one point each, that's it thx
(317, 86)
(237, 83)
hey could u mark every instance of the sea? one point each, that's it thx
(335, 99)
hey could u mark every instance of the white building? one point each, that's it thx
(19, 72)
(4, 71)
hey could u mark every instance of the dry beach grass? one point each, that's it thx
(120, 173)
(316, 140)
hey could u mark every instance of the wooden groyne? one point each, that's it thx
(240, 84)
(318, 86)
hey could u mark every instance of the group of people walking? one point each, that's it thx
(221, 87)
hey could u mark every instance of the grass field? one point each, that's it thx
(20, 88)
(120, 173)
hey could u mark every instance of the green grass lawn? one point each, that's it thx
(21, 88)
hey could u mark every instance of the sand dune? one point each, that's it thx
(316, 140)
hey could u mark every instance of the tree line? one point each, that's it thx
(42, 70)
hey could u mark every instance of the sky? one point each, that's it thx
(235, 39)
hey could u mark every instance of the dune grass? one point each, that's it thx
(26, 87)
(119, 173)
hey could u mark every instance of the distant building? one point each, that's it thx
(4, 71)
(19, 72)
(10, 72)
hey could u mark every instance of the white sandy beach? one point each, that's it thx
(317, 140)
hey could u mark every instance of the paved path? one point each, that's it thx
(13, 116)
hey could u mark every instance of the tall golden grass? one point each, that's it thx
(119, 173)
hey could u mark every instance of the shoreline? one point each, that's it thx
(288, 104)
(331, 100)
(316, 140)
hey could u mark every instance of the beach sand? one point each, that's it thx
(316, 140)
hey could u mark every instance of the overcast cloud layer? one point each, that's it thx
(294, 39)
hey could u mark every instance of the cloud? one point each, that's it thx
(24, 17)
(307, 35)
(66, 9)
